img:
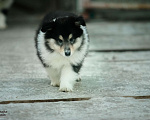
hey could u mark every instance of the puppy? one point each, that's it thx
(4, 8)
(62, 43)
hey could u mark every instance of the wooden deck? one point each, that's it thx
(115, 77)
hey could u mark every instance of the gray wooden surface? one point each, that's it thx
(111, 80)
(119, 35)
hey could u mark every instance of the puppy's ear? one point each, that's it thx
(47, 26)
(80, 21)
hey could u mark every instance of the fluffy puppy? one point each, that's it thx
(62, 43)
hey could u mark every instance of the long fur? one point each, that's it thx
(62, 70)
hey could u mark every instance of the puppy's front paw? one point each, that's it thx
(66, 88)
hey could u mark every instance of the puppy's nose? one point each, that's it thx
(67, 52)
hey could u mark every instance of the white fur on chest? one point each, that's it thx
(56, 61)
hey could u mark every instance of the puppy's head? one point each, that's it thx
(64, 34)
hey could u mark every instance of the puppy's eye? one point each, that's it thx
(72, 40)
(60, 42)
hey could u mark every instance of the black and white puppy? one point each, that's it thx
(4, 8)
(62, 43)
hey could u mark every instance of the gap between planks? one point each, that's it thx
(65, 100)
(122, 50)
(46, 100)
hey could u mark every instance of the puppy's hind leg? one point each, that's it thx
(54, 76)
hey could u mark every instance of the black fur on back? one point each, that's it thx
(61, 23)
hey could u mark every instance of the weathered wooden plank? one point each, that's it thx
(117, 36)
(100, 108)
(124, 42)
(118, 28)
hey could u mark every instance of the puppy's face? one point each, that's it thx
(65, 35)
(65, 46)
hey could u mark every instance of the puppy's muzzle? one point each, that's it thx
(67, 52)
